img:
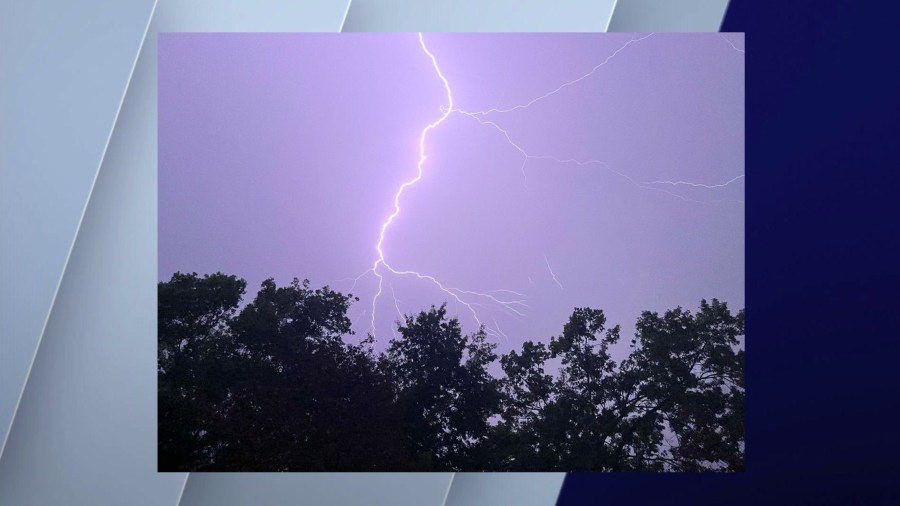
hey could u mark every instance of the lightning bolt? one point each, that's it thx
(508, 301)
(555, 280)
(513, 306)
(379, 247)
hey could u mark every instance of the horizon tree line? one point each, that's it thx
(273, 386)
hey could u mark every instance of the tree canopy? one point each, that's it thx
(273, 385)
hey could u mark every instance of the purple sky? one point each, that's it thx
(280, 156)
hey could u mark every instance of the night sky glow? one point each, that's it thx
(514, 176)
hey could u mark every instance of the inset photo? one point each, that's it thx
(451, 252)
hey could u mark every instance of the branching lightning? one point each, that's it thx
(478, 116)
(648, 185)
(508, 301)
(513, 306)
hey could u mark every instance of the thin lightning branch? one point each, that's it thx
(455, 293)
(396, 304)
(698, 185)
(525, 155)
(555, 280)
(499, 331)
(508, 291)
(371, 329)
(731, 43)
(508, 305)
(582, 163)
(644, 185)
(397, 307)
(355, 280)
(353, 287)
(568, 83)
(443, 288)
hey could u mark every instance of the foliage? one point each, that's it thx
(273, 386)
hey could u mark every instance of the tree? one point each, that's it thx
(523, 438)
(675, 403)
(687, 372)
(194, 351)
(275, 386)
(586, 389)
(443, 384)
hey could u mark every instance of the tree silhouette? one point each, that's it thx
(195, 360)
(444, 388)
(274, 386)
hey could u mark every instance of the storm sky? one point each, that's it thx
(280, 156)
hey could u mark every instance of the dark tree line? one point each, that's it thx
(273, 386)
